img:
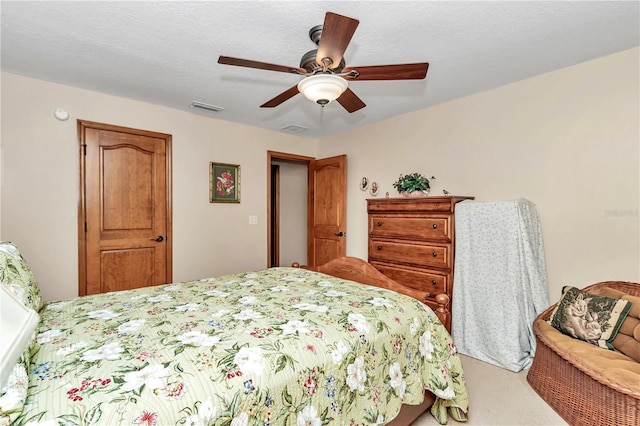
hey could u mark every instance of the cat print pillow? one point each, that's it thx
(589, 317)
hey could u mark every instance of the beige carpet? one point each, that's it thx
(499, 397)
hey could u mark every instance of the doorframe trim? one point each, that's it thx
(282, 156)
(82, 243)
(274, 257)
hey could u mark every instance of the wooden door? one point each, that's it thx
(125, 208)
(327, 210)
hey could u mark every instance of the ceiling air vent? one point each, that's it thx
(293, 128)
(205, 107)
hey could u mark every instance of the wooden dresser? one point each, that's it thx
(411, 240)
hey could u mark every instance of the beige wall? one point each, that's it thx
(567, 140)
(40, 181)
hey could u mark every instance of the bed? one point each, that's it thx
(281, 346)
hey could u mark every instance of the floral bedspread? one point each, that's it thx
(282, 346)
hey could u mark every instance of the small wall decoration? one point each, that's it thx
(364, 183)
(374, 189)
(224, 183)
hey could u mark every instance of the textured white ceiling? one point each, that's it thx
(166, 52)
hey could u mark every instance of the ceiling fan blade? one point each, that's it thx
(350, 101)
(227, 60)
(337, 31)
(284, 96)
(416, 71)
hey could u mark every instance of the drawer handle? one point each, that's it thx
(379, 223)
(379, 247)
(433, 282)
(434, 226)
(434, 254)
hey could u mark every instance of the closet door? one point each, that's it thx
(125, 208)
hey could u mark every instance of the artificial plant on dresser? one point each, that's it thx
(412, 241)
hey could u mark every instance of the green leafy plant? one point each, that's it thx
(412, 182)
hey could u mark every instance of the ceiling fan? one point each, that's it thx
(326, 75)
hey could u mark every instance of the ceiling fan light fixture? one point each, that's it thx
(323, 88)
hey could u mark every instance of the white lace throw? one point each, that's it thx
(500, 281)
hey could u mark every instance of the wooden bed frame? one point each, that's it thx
(355, 269)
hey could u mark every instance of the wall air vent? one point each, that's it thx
(293, 128)
(205, 107)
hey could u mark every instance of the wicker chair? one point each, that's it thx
(580, 395)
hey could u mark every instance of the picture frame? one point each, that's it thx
(224, 183)
(364, 183)
(375, 189)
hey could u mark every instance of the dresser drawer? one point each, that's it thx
(432, 282)
(406, 205)
(411, 227)
(413, 253)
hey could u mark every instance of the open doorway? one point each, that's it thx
(289, 218)
(288, 208)
(326, 212)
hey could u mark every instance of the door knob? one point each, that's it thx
(339, 234)
(159, 238)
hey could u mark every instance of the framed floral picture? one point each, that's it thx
(224, 183)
